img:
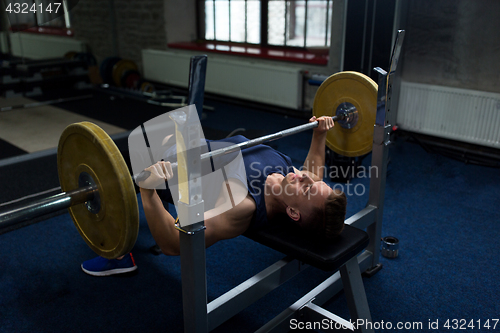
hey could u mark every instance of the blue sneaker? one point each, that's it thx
(104, 267)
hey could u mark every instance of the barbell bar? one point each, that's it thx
(45, 206)
(50, 102)
(345, 115)
(98, 189)
(88, 194)
(354, 98)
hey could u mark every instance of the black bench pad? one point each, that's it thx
(328, 255)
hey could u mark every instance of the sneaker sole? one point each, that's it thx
(110, 272)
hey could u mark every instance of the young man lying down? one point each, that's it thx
(269, 187)
(269, 191)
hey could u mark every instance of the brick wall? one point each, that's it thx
(91, 22)
(120, 27)
(140, 24)
(453, 43)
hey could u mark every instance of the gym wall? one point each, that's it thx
(38, 46)
(450, 85)
(4, 27)
(4, 46)
(120, 27)
(125, 28)
(453, 43)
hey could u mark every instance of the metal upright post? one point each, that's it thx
(192, 244)
(192, 236)
(197, 75)
(380, 152)
(378, 171)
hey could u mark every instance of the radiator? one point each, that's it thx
(39, 46)
(263, 83)
(458, 114)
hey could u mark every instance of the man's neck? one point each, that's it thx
(272, 197)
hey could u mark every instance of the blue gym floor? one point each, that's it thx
(444, 212)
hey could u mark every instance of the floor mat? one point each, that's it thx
(39, 128)
(9, 150)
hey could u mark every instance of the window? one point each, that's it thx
(304, 23)
(30, 14)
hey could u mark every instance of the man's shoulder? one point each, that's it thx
(231, 223)
(235, 204)
(244, 210)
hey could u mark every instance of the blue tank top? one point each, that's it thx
(260, 161)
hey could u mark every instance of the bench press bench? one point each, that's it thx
(302, 251)
(344, 256)
(327, 255)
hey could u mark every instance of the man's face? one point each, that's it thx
(304, 194)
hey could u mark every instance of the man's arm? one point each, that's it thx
(314, 164)
(219, 226)
(161, 223)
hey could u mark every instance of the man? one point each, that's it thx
(273, 187)
(300, 194)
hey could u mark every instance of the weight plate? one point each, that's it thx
(84, 148)
(131, 81)
(106, 69)
(86, 57)
(139, 83)
(120, 67)
(129, 77)
(69, 55)
(350, 88)
(147, 87)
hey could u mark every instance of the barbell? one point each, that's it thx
(123, 73)
(86, 57)
(98, 189)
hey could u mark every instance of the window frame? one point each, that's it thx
(46, 29)
(264, 27)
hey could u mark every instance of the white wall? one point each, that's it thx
(38, 46)
(4, 46)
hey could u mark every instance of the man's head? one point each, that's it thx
(314, 205)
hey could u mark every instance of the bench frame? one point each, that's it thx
(202, 317)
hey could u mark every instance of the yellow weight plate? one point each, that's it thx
(70, 55)
(360, 91)
(85, 149)
(147, 87)
(120, 67)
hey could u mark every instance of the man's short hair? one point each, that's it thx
(328, 221)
